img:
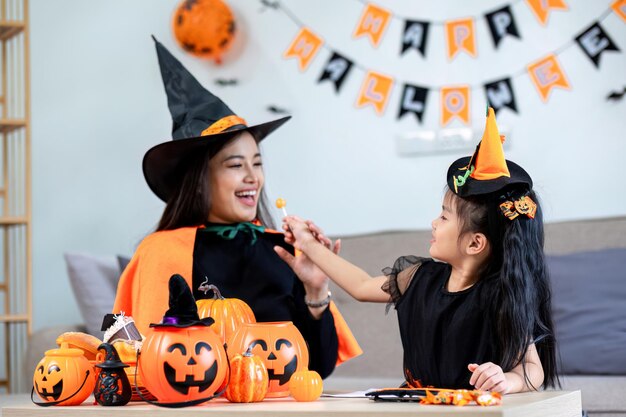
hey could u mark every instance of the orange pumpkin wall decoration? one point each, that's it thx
(248, 379)
(228, 313)
(306, 385)
(204, 28)
(280, 345)
(179, 364)
(64, 377)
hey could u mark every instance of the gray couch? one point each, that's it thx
(377, 332)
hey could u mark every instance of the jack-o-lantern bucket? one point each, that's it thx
(280, 345)
(182, 364)
(63, 377)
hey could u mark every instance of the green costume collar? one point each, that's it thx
(229, 231)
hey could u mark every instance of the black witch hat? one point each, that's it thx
(183, 311)
(200, 119)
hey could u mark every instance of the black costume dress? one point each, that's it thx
(242, 263)
(441, 331)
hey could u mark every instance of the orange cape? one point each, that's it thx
(144, 283)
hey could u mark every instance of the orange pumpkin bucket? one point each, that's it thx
(280, 345)
(63, 377)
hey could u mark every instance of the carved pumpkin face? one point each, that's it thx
(182, 364)
(61, 373)
(280, 345)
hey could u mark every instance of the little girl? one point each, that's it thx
(480, 316)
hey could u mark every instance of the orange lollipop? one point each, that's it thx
(280, 204)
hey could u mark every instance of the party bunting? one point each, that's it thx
(304, 47)
(547, 74)
(542, 8)
(619, 7)
(413, 101)
(460, 37)
(414, 36)
(501, 23)
(336, 70)
(373, 23)
(455, 102)
(500, 95)
(593, 41)
(375, 91)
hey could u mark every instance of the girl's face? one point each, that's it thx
(445, 244)
(235, 180)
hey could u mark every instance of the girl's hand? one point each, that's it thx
(488, 377)
(298, 233)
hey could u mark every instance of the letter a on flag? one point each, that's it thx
(460, 37)
(373, 23)
(455, 103)
(304, 47)
(375, 90)
(547, 74)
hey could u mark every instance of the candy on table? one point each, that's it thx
(280, 204)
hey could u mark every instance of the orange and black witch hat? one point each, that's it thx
(486, 171)
(200, 120)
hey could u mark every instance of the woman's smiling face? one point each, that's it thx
(236, 180)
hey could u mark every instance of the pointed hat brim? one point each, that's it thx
(164, 164)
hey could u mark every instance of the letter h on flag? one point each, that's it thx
(304, 47)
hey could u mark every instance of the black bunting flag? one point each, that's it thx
(500, 94)
(501, 23)
(593, 41)
(336, 70)
(413, 101)
(414, 36)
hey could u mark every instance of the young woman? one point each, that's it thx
(213, 229)
(480, 318)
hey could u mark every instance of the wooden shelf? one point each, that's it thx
(13, 220)
(9, 125)
(8, 29)
(14, 318)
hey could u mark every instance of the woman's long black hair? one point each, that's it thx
(189, 205)
(515, 279)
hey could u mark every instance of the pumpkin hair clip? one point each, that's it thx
(511, 209)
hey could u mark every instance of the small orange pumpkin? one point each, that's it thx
(280, 345)
(306, 385)
(228, 313)
(64, 375)
(248, 379)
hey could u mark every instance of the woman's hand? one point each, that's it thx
(488, 377)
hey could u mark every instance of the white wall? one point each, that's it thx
(98, 105)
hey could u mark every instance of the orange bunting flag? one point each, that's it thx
(455, 103)
(375, 90)
(547, 74)
(619, 7)
(304, 47)
(373, 23)
(460, 37)
(541, 8)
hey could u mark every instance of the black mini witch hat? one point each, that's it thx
(486, 171)
(183, 311)
(200, 119)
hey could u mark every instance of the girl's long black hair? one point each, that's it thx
(189, 205)
(515, 278)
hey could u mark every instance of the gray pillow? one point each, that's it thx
(589, 306)
(94, 281)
